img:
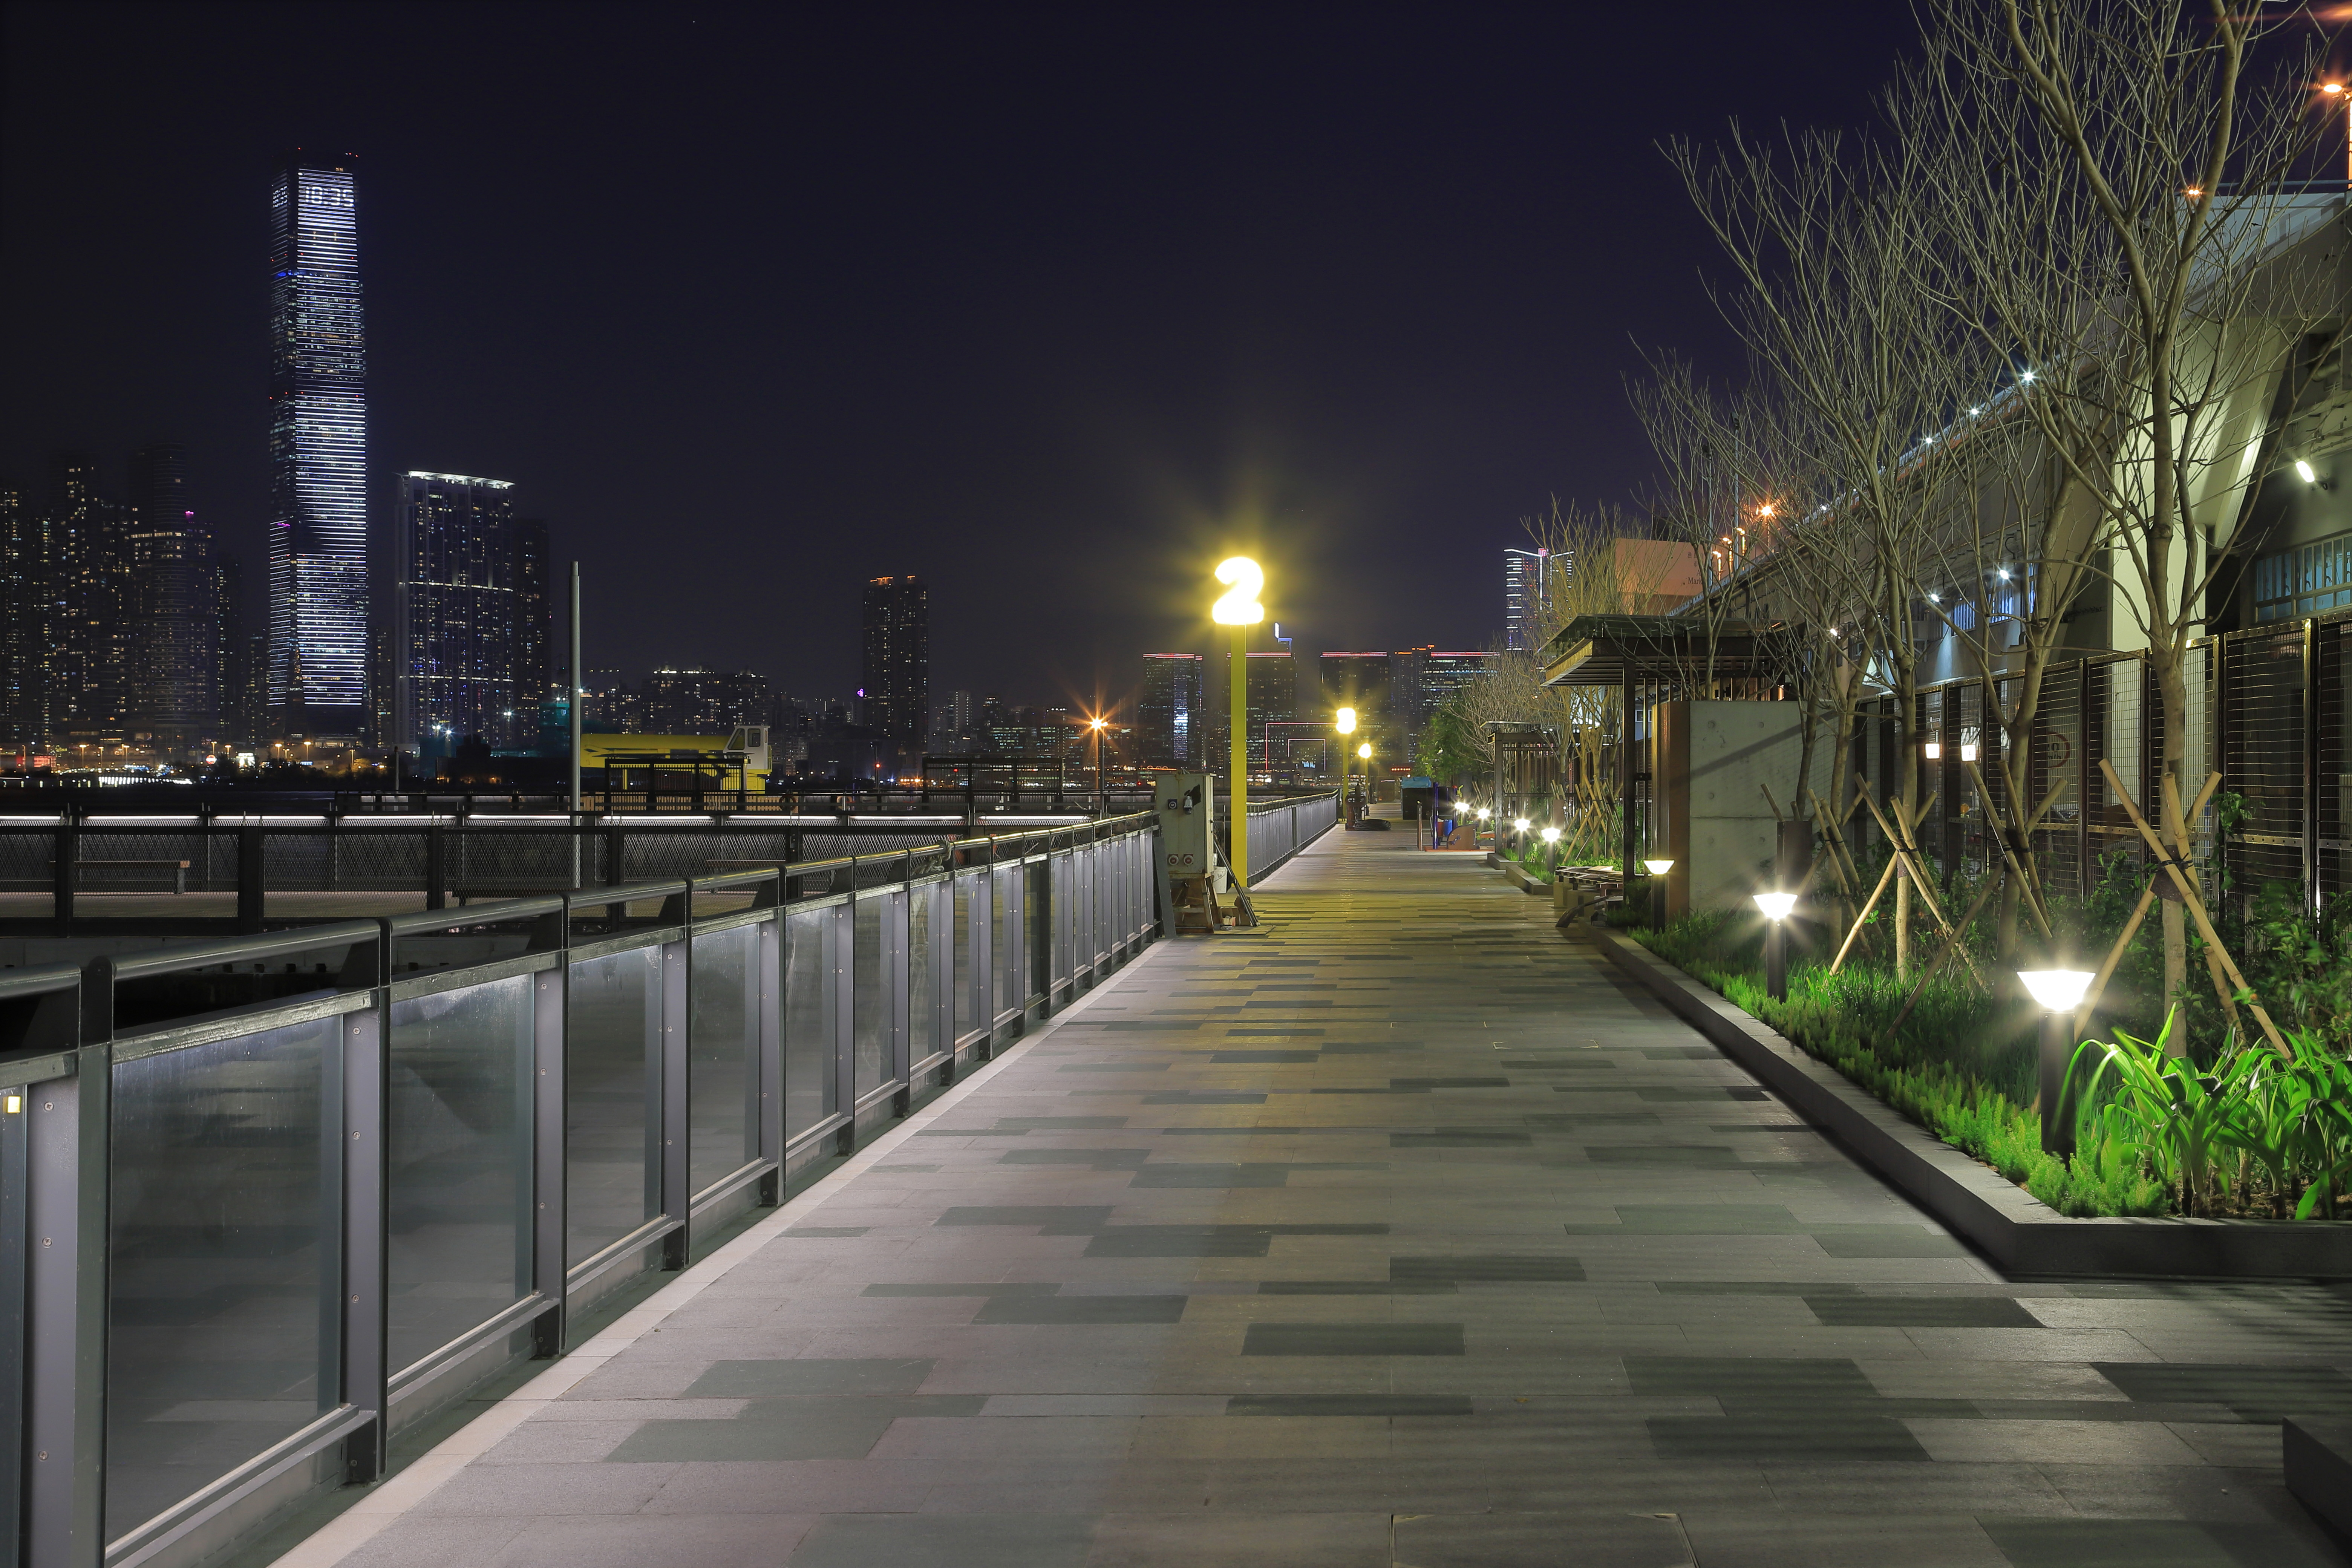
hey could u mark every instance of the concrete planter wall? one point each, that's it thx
(2019, 1232)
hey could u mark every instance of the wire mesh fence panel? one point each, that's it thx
(2332, 760)
(376, 861)
(2262, 757)
(2053, 764)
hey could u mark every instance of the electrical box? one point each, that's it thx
(1187, 804)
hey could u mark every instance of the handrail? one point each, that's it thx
(232, 950)
(41, 982)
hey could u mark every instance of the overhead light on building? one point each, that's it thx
(2004, 573)
(2025, 376)
(2306, 472)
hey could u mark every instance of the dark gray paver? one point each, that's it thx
(1510, 1268)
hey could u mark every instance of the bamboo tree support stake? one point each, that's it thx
(2090, 1003)
(1927, 971)
(2194, 903)
(2008, 852)
(1880, 892)
(1907, 858)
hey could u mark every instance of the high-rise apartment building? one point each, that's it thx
(1527, 596)
(1170, 722)
(318, 453)
(454, 612)
(89, 559)
(897, 670)
(1443, 674)
(697, 702)
(1271, 697)
(239, 719)
(175, 630)
(535, 659)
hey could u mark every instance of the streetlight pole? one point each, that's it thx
(572, 717)
(1239, 609)
(1776, 907)
(1102, 798)
(1345, 723)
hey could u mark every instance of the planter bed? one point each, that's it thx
(2019, 1232)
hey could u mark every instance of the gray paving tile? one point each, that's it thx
(1075, 1311)
(947, 1541)
(1353, 1339)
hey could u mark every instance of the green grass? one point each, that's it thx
(1962, 1065)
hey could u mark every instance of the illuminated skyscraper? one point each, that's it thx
(454, 638)
(1168, 718)
(175, 612)
(1527, 594)
(317, 454)
(898, 660)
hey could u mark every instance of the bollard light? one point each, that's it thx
(1518, 825)
(1776, 907)
(1657, 870)
(2060, 992)
(1551, 835)
(1657, 867)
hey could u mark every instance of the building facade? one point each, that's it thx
(537, 673)
(1168, 718)
(897, 668)
(317, 454)
(174, 656)
(1271, 698)
(453, 615)
(1526, 588)
(697, 702)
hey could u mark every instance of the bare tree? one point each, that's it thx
(1830, 243)
(2131, 171)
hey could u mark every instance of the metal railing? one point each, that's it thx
(267, 1201)
(1281, 828)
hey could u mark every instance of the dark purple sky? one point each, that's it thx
(1054, 306)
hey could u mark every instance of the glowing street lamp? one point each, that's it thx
(1345, 723)
(1551, 843)
(1238, 607)
(2059, 992)
(1102, 799)
(2337, 91)
(1776, 907)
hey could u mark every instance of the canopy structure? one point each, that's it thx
(1609, 651)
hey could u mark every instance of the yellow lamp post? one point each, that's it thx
(1364, 754)
(1239, 608)
(1345, 723)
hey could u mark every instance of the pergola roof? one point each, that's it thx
(1602, 650)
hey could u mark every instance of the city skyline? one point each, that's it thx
(1119, 384)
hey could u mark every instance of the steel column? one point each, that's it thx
(677, 1125)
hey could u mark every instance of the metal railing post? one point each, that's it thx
(677, 1124)
(550, 1002)
(65, 867)
(771, 1046)
(250, 881)
(367, 1228)
(67, 1160)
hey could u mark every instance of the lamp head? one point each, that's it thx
(1776, 906)
(1239, 607)
(2306, 472)
(1365, 751)
(1657, 867)
(1551, 835)
(1486, 813)
(2057, 990)
(1345, 723)
(1518, 825)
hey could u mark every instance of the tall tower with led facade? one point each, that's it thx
(317, 454)
(898, 660)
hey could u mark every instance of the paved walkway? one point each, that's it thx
(1398, 1233)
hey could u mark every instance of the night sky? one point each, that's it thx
(1052, 306)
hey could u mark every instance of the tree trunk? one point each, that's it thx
(2172, 687)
